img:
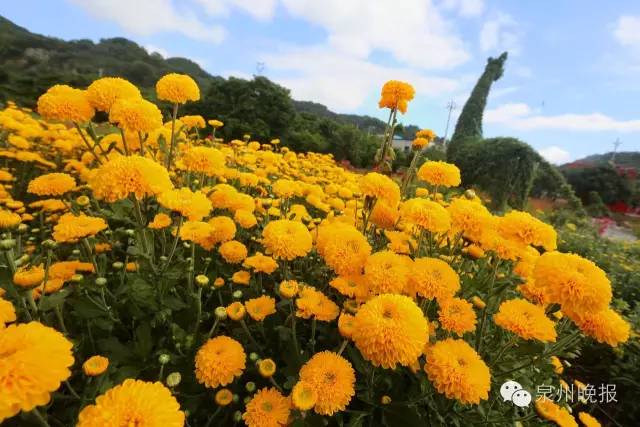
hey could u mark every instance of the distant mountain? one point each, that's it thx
(31, 63)
(625, 159)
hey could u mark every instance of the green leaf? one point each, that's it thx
(86, 309)
(142, 294)
(404, 416)
(174, 303)
(144, 343)
(115, 350)
(55, 300)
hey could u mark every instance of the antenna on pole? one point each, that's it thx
(259, 68)
(617, 143)
(450, 106)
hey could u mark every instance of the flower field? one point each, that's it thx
(156, 275)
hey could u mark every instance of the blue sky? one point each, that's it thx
(570, 87)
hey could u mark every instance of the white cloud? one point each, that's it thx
(522, 117)
(466, 8)
(155, 49)
(501, 32)
(310, 73)
(502, 91)
(412, 31)
(259, 9)
(627, 30)
(555, 154)
(147, 17)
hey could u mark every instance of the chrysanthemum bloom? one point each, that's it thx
(528, 230)
(125, 175)
(427, 134)
(135, 115)
(52, 184)
(71, 228)
(433, 278)
(469, 217)
(285, 188)
(233, 252)
(303, 396)
(386, 272)
(286, 239)
(313, 303)
(379, 186)
(224, 229)
(9, 219)
(104, 92)
(134, 402)
(192, 204)
(266, 367)
(62, 102)
(426, 214)
(223, 397)
(267, 408)
(457, 371)
(261, 307)
(160, 221)
(245, 219)
(333, 379)
(261, 263)
(548, 410)
(352, 286)
(193, 122)
(505, 249)
(241, 277)
(456, 315)
(196, 231)
(215, 123)
(34, 360)
(390, 330)
(572, 281)
(219, 361)
(343, 247)
(29, 277)
(95, 365)
(396, 95)
(207, 160)
(346, 325)
(526, 320)
(605, 326)
(419, 143)
(7, 313)
(177, 88)
(440, 173)
(587, 420)
(288, 288)
(383, 215)
(236, 311)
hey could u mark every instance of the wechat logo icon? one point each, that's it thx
(513, 391)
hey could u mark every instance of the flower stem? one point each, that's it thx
(174, 115)
(41, 418)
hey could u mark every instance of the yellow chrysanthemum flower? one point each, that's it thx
(427, 215)
(333, 379)
(439, 173)
(267, 408)
(286, 239)
(104, 92)
(343, 247)
(95, 365)
(233, 252)
(52, 184)
(313, 303)
(125, 175)
(381, 187)
(390, 330)
(396, 95)
(219, 361)
(71, 228)
(457, 371)
(192, 204)
(526, 320)
(135, 115)
(457, 315)
(386, 272)
(304, 396)
(62, 102)
(207, 160)
(177, 88)
(7, 313)
(433, 278)
(134, 402)
(605, 326)
(34, 361)
(261, 307)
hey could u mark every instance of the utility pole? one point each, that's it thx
(450, 106)
(616, 144)
(259, 68)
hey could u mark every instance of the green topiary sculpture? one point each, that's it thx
(505, 168)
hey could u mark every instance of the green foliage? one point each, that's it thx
(595, 206)
(604, 180)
